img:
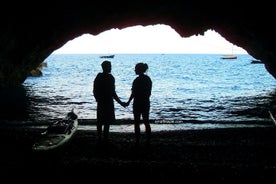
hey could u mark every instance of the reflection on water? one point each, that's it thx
(246, 108)
(18, 106)
(255, 107)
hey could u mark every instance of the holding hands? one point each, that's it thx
(124, 104)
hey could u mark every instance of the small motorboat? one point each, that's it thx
(255, 61)
(108, 56)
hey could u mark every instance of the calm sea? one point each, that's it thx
(187, 88)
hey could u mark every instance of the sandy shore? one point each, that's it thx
(209, 156)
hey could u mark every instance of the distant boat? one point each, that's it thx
(228, 56)
(255, 61)
(108, 56)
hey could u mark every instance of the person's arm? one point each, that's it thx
(95, 89)
(132, 93)
(129, 100)
(124, 104)
(115, 96)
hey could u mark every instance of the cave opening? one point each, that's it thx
(159, 38)
(188, 86)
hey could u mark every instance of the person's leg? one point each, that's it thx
(137, 127)
(99, 130)
(145, 116)
(106, 131)
(99, 121)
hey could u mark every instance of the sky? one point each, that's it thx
(149, 40)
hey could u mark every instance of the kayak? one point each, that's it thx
(272, 117)
(58, 133)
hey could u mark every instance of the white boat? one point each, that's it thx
(229, 56)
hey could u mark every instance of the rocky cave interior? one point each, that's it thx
(31, 31)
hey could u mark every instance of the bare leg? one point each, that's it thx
(137, 127)
(99, 130)
(147, 126)
(106, 131)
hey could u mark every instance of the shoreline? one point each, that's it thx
(210, 155)
(154, 122)
(122, 121)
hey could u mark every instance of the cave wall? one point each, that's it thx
(29, 34)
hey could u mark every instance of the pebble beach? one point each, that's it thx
(186, 156)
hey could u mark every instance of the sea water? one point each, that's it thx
(187, 88)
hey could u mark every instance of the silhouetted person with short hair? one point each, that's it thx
(104, 93)
(141, 92)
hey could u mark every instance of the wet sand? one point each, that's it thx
(186, 156)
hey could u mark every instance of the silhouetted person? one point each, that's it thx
(141, 92)
(104, 93)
